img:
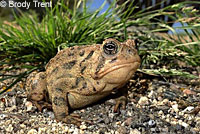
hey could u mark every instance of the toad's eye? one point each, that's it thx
(110, 48)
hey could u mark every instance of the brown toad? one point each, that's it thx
(81, 75)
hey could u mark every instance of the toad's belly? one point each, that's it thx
(78, 100)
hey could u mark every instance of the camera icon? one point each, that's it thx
(3, 3)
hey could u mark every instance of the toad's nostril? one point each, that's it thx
(129, 51)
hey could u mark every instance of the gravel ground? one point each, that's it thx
(154, 106)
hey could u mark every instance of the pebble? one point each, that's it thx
(175, 107)
(42, 130)
(12, 108)
(83, 127)
(32, 131)
(143, 101)
(71, 130)
(3, 116)
(121, 130)
(188, 92)
(29, 106)
(197, 120)
(183, 124)
(128, 121)
(188, 109)
(118, 123)
(13, 101)
(9, 128)
(106, 120)
(152, 123)
(135, 131)
(160, 89)
(154, 102)
(164, 102)
(2, 104)
(160, 98)
(81, 131)
(129, 113)
(21, 131)
(160, 113)
(54, 129)
(22, 126)
(76, 131)
(151, 94)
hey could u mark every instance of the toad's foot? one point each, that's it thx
(121, 101)
(41, 105)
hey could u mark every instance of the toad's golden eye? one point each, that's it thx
(110, 48)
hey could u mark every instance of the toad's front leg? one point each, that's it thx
(121, 98)
(60, 103)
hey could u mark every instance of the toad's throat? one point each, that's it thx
(102, 73)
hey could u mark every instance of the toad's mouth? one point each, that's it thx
(105, 71)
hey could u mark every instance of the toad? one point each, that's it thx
(81, 75)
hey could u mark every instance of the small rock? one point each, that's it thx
(154, 102)
(54, 128)
(145, 118)
(160, 89)
(175, 107)
(188, 92)
(71, 130)
(118, 123)
(143, 101)
(197, 119)
(11, 93)
(29, 106)
(111, 115)
(160, 98)
(188, 109)
(183, 124)
(13, 101)
(82, 110)
(76, 131)
(22, 125)
(81, 131)
(83, 127)
(128, 121)
(153, 130)
(65, 129)
(151, 94)
(2, 104)
(160, 113)
(41, 130)
(106, 120)
(51, 114)
(9, 128)
(13, 108)
(152, 123)
(21, 131)
(3, 116)
(135, 131)
(121, 130)
(32, 131)
(8, 122)
(178, 127)
(164, 102)
(102, 131)
(123, 112)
